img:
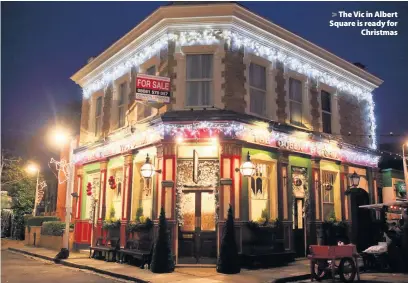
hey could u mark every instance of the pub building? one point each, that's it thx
(198, 108)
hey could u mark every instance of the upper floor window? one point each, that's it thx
(295, 101)
(326, 112)
(199, 76)
(257, 92)
(98, 116)
(121, 104)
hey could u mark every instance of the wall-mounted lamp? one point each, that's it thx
(247, 169)
(148, 170)
(354, 180)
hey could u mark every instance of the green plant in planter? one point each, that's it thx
(139, 213)
(111, 222)
(53, 228)
(144, 225)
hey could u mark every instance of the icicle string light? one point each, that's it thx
(252, 45)
(296, 142)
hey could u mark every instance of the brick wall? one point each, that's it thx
(84, 128)
(234, 86)
(354, 119)
(280, 93)
(315, 106)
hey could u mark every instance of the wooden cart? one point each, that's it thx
(323, 261)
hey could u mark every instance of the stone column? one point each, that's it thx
(126, 196)
(101, 209)
(315, 202)
(230, 159)
(285, 199)
(78, 190)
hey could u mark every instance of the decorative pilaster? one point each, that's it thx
(78, 202)
(86, 105)
(126, 196)
(167, 195)
(102, 194)
(316, 192)
(343, 187)
(281, 100)
(285, 199)
(230, 194)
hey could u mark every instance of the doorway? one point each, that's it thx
(197, 235)
(360, 219)
(299, 227)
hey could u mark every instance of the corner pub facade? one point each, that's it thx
(239, 85)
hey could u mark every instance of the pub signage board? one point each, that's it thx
(152, 88)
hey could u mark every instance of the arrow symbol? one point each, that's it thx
(334, 14)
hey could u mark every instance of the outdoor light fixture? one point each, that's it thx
(148, 170)
(354, 179)
(247, 169)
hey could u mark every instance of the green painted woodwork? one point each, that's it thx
(116, 162)
(387, 178)
(87, 169)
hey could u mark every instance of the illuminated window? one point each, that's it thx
(328, 180)
(121, 104)
(98, 116)
(199, 77)
(259, 190)
(295, 101)
(326, 112)
(257, 84)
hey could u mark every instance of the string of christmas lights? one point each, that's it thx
(252, 44)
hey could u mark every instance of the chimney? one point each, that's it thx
(361, 66)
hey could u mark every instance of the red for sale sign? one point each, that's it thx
(152, 88)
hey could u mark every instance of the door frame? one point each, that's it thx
(197, 229)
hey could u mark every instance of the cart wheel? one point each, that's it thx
(319, 270)
(347, 269)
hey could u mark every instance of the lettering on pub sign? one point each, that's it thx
(152, 88)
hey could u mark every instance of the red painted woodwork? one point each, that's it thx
(129, 191)
(103, 191)
(123, 233)
(82, 232)
(79, 202)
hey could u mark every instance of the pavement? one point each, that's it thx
(294, 271)
(18, 268)
(297, 271)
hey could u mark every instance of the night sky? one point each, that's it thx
(43, 44)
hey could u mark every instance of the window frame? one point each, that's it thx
(326, 112)
(122, 104)
(98, 116)
(251, 87)
(210, 80)
(331, 195)
(291, 100)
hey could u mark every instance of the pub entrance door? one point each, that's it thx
(197, 235)
(299, 227)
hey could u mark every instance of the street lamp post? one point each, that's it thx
(61, 138)
(32, 168)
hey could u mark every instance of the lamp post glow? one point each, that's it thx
(354, 180)
(247, 169)
(32, 169)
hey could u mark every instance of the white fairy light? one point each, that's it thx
(252, 45)
(63, 167)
